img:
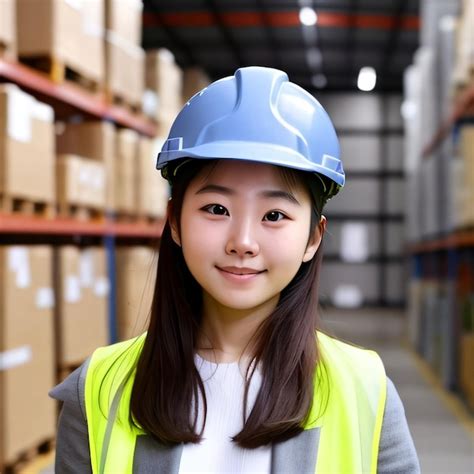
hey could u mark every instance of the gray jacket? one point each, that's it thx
(298, 455)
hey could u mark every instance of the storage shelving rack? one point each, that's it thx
(445, 259)
(68, 99)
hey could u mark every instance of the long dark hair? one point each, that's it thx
(167, 383)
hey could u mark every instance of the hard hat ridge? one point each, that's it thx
(256, 115)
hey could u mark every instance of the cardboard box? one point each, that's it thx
(164, 78)
(26, 146)
(8, 27)
(94, 140)
(27, 414)
(136, 274)
(124, 18)
(82, 316)
(194, 80)
(125, 69)
(70, 32)
(152, 191)
(80, 182)
(125, 170)
(466, 368)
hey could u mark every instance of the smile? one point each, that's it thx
(236, 275)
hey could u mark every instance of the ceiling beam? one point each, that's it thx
(287, 18)
(228, 38)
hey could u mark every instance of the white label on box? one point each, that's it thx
(16, 257)
(101, 287)
(84, 175)
(20, 107)
(86, 268)
(45, 298)
(98, 179)
(72, 293)
(43, 112)
(76, 4)
(18, 262)
(15, 357)
(354, 242)
(23, 276)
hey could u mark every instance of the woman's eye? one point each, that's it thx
(275, 216)
(216, 209)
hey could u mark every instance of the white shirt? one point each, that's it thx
(224, 387)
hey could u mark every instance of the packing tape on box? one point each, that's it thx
(86, 268)
(45, 298)
(101, 286)
(19, 263)
(72, 291)
(20, 106)
(15, 357)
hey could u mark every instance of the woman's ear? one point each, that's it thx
(173, 224)
(315, 240)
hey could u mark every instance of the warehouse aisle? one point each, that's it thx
(441, 437)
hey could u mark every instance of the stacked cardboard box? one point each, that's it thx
(164, 82)
(152, 191)
(125, 59)
(70, 32)
(125, 169)
(27, 415)
(82, 316)
(80, 182)
(194, 79)
(94, 141)
(136, 274)
(26, 146)
(7, 27)
(465, 191)
(467, 367)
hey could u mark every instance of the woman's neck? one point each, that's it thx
(225, 332)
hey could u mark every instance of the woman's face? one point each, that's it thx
(244, 233)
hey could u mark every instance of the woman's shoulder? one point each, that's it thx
(341, 354)
(71, 389)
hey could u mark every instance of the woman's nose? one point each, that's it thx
(242, 241)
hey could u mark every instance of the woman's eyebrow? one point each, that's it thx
(270, 193)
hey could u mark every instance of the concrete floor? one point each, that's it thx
(438, 423)
(441, 436)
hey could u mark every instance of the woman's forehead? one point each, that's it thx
(242, 172)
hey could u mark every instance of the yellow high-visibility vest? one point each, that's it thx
(350, 425)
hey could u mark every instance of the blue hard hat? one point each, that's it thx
(256, 115)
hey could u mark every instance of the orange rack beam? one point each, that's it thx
(463, 105)
(456, 240)
(72, 95)
(19, 224)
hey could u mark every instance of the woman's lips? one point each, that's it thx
(239, 277)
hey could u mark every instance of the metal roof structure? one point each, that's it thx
(222, 35)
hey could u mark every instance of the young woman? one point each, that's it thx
(233, 374)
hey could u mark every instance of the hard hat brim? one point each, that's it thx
(250, 151)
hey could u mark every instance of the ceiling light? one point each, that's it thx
(367, 79)
(308, 16)
(319, 81)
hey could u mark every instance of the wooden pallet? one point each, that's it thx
(118, 100)
(80, 213)
(27, 460)
(60, 71)
(28, 207)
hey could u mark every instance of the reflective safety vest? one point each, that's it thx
(350, 424)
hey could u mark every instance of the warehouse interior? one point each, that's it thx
(89, 90)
